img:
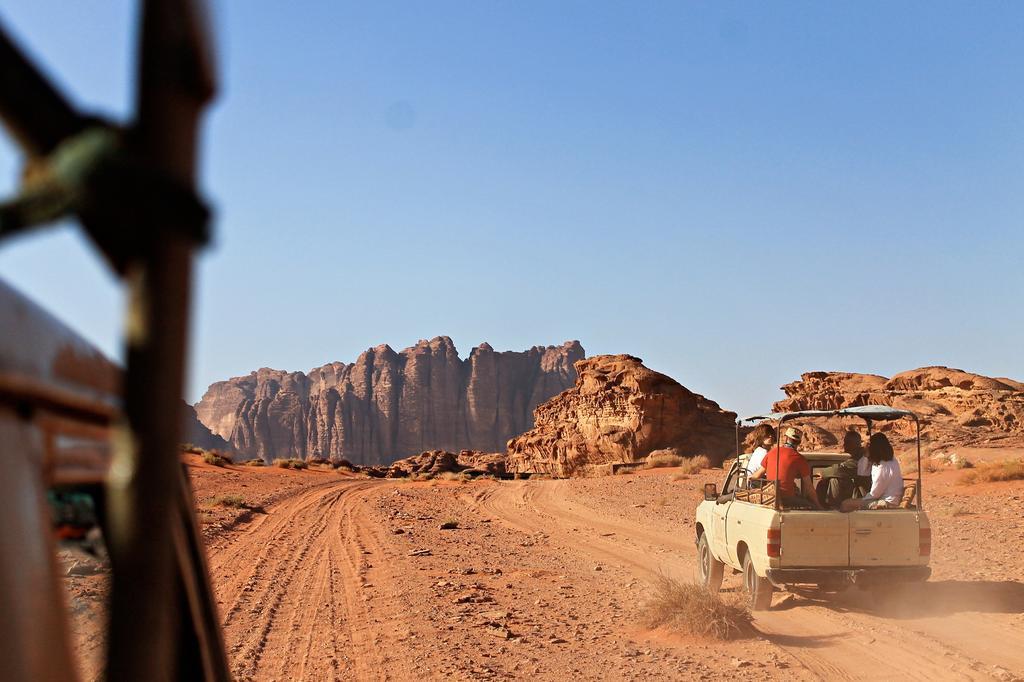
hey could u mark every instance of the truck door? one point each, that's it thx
(889, 537)
(720, 545)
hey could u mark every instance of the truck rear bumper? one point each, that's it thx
(849, 576)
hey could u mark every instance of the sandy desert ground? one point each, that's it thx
(338, 577)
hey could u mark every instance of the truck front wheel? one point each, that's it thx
(711, 569)
(759, 590)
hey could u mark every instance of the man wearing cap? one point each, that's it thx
(786, 465)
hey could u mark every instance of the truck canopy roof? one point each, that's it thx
(866, 412)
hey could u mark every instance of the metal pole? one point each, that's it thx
(920, 478)
(174, 85)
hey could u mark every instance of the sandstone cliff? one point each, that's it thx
(956, 407)
(389, 405)
(193, 431)
(619, 411)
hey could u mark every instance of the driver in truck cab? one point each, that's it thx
(786, 465)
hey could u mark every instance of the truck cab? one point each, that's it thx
(745, 528)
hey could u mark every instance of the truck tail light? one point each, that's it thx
(926, 541)
(774, 548)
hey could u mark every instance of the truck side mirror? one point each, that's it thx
(710, 491)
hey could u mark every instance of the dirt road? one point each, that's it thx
(940, 630)
(546, 579)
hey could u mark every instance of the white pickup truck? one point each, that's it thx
(746, 529)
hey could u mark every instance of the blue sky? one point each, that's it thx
(735, 192)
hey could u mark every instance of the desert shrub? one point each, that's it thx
(258, 462)
(215, 459)
(1010, 470)
(291, 463)
(451, 476)
(680, 477)
(660, 459)
(692, 609)
(450, 524)
(235, 501)
(695, 464)
(319, 461)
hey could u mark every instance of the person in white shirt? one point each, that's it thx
(764, 436)
(886, 478)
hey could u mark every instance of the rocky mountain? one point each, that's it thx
(619, 411)
(956, 407)
(388, 405)
(195, 432)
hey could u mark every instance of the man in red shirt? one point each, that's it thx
(787, 465)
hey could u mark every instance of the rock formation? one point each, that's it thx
(619, 411)
(193, 431)
(432, 463)
(956, 407)
(389, 405)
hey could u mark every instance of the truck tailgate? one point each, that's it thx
(815, 538)
(884, 538)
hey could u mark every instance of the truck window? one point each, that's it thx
(730, 481)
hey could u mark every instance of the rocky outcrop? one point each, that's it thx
(389, 405)
(195, 433)
(956, 407)
(430, 464)
(619, 411)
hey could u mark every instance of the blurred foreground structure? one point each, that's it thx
(70, 423)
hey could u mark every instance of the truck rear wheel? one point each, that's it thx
(759, 590)
(711, 570)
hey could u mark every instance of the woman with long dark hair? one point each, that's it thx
(886, 477)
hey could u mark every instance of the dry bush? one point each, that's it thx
(291, 463)
(236, 501)
(215, 459)
(258, 462)
(451, 476)
(1010, 470)
(695, 464)
(692, 609)
(680, 477)
(660, 459)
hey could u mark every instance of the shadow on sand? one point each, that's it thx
(924, 600)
